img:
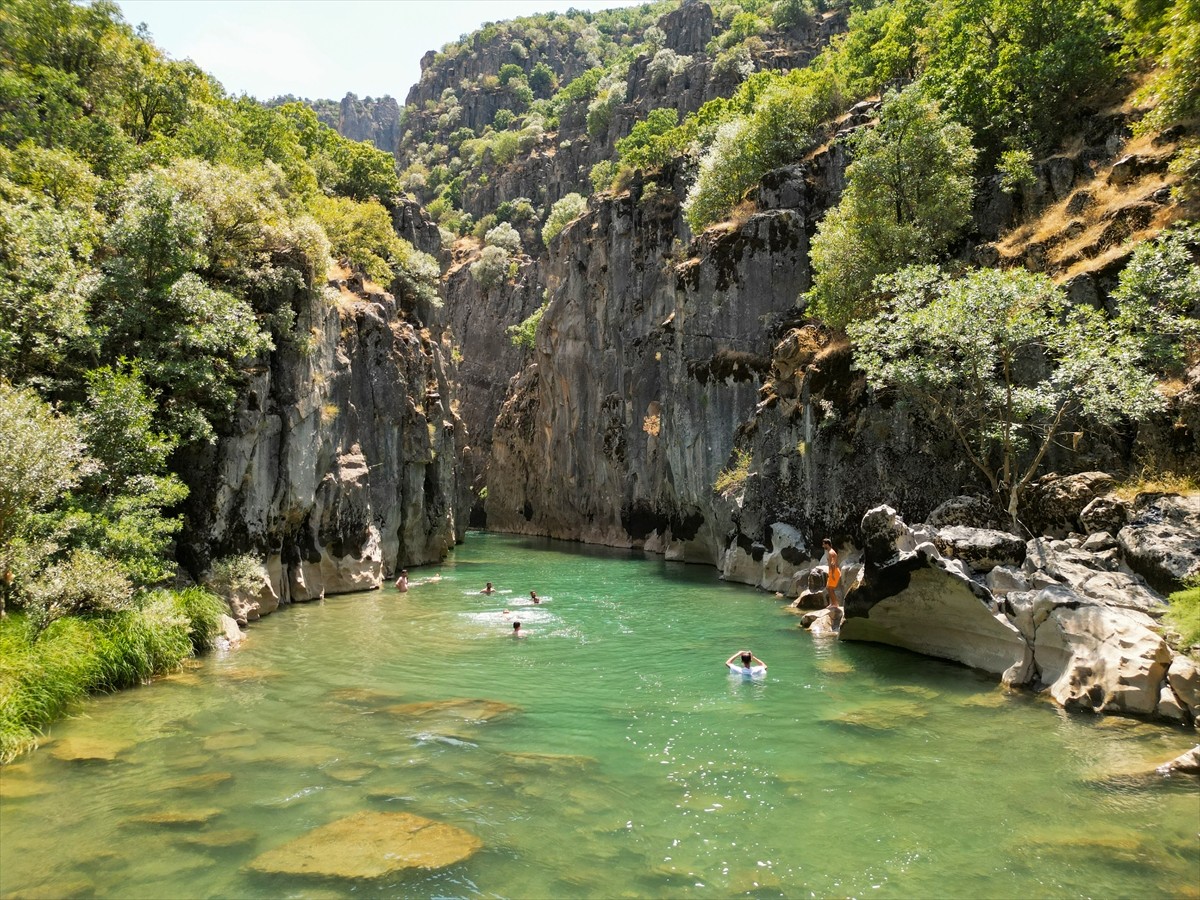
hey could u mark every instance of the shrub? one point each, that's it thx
(732, 478)
(491, 268)
(503, 235)
(525, 333)
(1184, 613)
(203, 610)
(565, 210)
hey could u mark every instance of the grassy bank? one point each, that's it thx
(1184, 613)
(43, 675)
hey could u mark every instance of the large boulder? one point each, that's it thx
(1096, 576)
(1162, 540)
(1054, 504)
(919, 600)
(1184, 678)
(1094, 657)
(982, 549)
(370, 845)
(971, 511)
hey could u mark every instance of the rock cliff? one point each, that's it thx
(342, 463)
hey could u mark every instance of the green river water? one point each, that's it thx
(631, 764)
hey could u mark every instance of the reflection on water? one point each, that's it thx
(606, 754)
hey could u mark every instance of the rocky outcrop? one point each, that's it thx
(645, 367)
(1099, 650)
(1162, 540)
(342, 462)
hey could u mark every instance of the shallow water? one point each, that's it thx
(631, 764)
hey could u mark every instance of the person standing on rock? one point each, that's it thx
(833, 573)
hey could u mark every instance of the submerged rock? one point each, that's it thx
(472, 710)
(370, 845)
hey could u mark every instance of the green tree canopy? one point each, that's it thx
(908, 194)
(1005, 363)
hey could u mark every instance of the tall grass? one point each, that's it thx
(43, 676)
(1184, 613)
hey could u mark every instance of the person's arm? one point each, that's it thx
(755, 659)
(729, 662)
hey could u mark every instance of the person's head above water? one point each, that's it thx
(516, 627)
(746, 657)
(534, 597)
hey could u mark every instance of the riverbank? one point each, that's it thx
(44, 673)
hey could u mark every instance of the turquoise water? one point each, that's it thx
(618, 759)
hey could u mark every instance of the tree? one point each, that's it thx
(1005, 362)
(908, 194)
(787, 116)
(565, 210)
(1013, 70)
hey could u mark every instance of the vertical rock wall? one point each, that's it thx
(342, 462)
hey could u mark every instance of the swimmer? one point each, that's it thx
(517, 630)
(747, 658)
(402, 581)
(534, 597)
(488, 589)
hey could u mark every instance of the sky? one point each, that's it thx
(323, 48)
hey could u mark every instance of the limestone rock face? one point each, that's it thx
(1162, 541)
(1101, 659)
(972, 511)
(918, 600)
(342, 462)
(643, 374)
(370, 845)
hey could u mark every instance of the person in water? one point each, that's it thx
(488, 589)
(747, 659)
(517, 630)
(834, 573)
(402, 581)
(534, 597)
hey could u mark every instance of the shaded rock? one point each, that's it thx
(370, 845)
(1186, 762)
(1169, 706)
(983, 549)
(1097, 658)
(1099, 542)
(969, 511)
(554, 761)
(1055, 503)
(1184, 678)
(1162, 540)
(231, 633)
(1004, 580)
(1104, 514)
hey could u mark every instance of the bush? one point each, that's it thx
(491, 268)
(503, 235)
(566, 210)
(525, 333)
(1184, 613)
(203, 610)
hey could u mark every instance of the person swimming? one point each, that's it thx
(516, 632)
(748, 661)
(534, 597)
(488, 589)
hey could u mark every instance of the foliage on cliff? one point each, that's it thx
(157, 240)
